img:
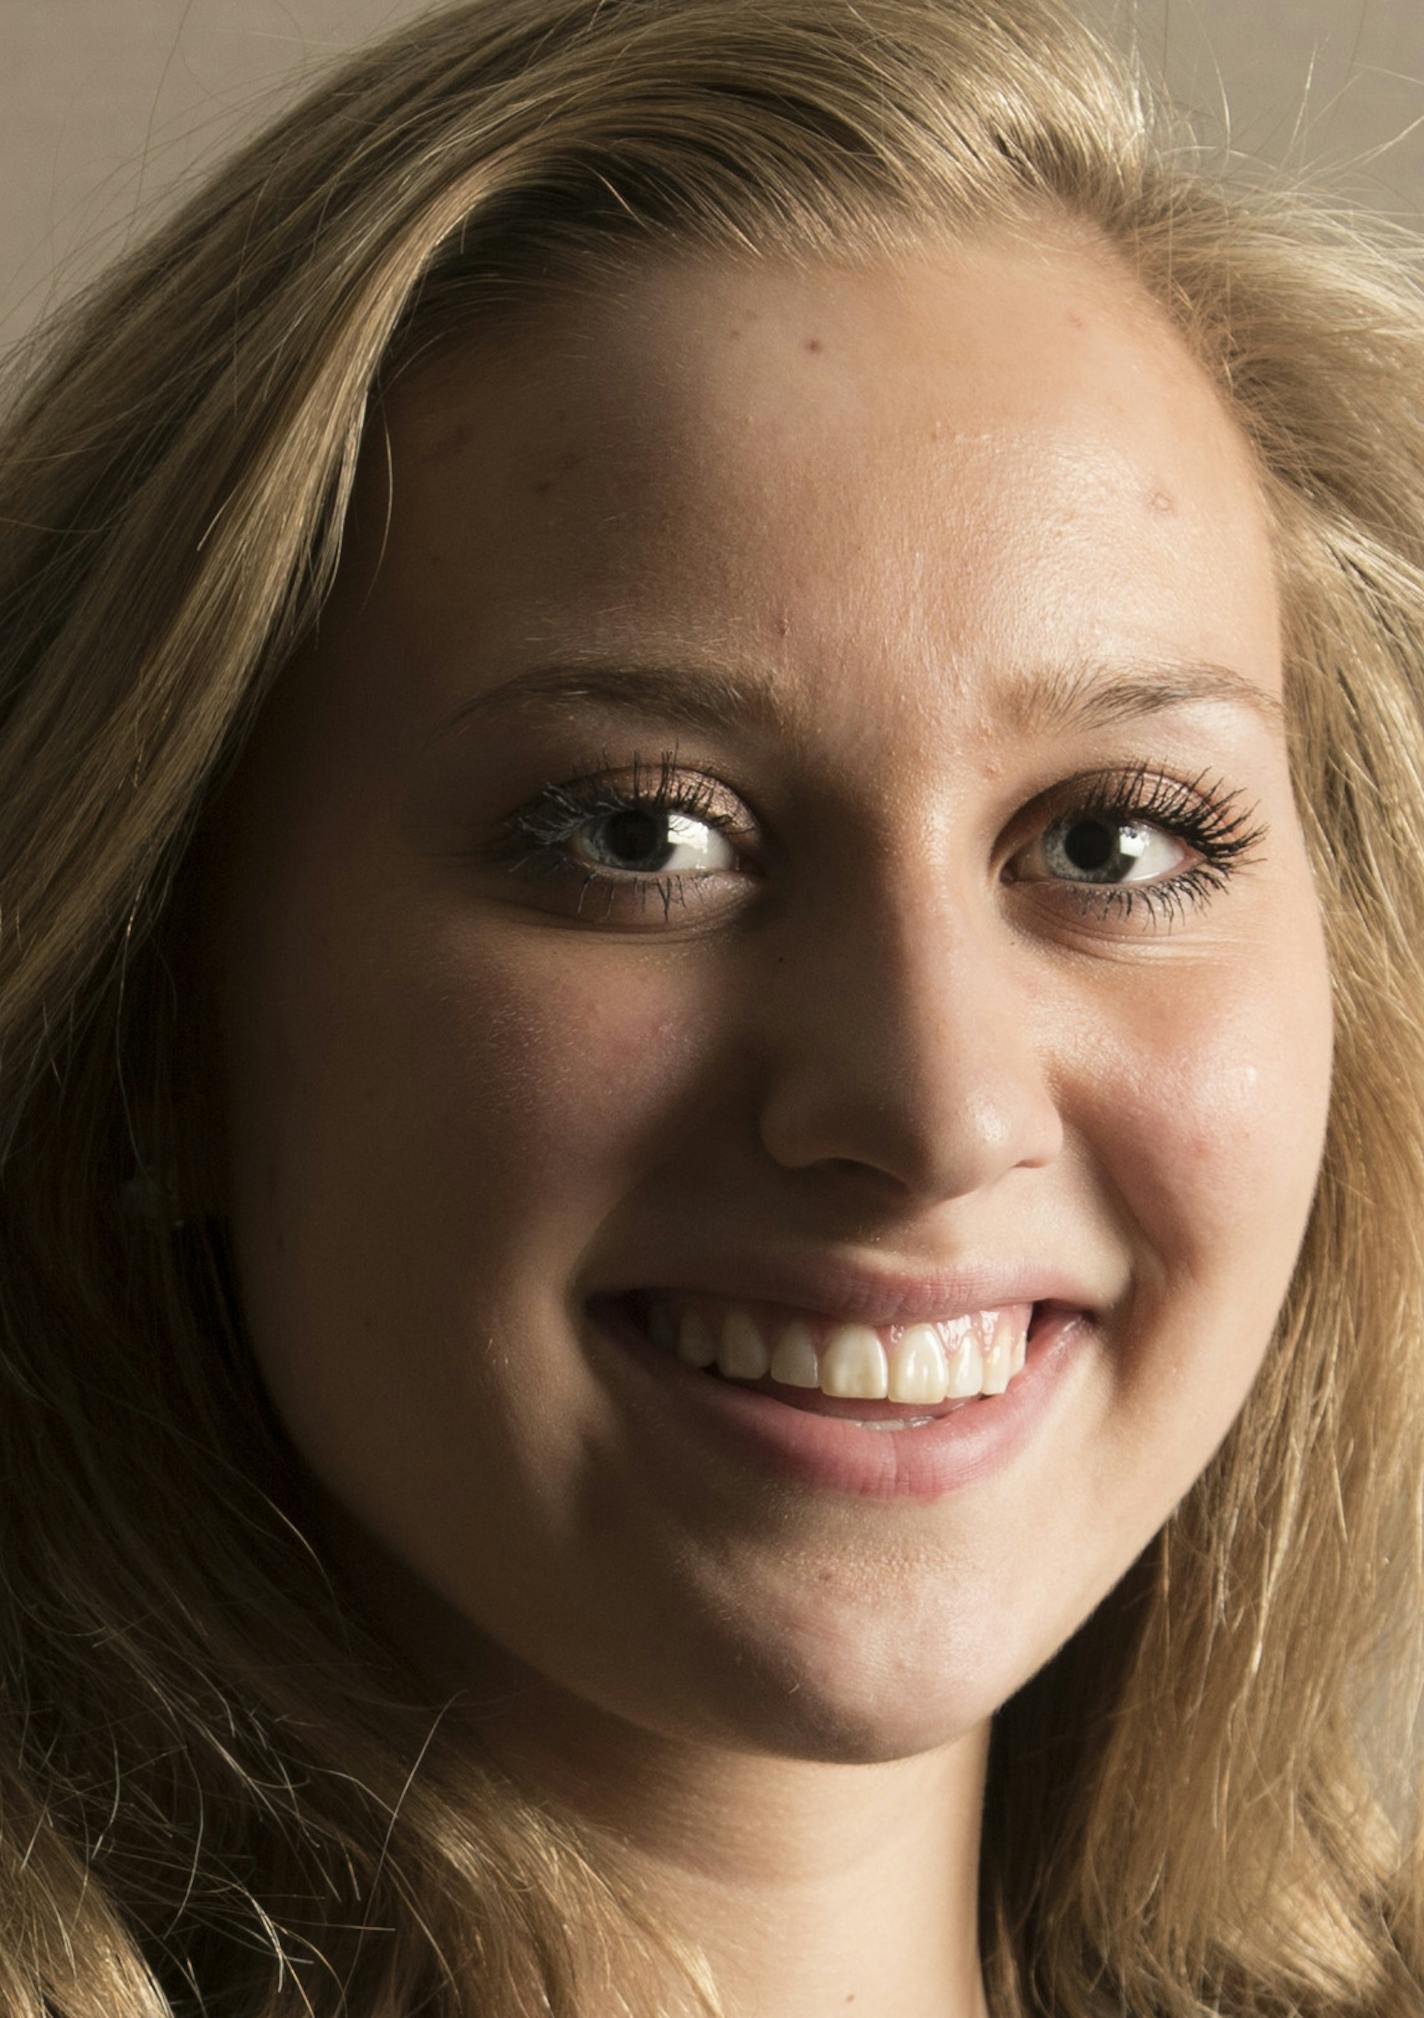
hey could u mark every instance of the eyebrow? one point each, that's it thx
(1048, 701)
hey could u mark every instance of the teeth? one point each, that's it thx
(928, 1363)
(853, 1364)
(917, 1366)
(1003, 1360)
(996, 1368)
(741, 1350)
(966, 1368)
(794, 1361)
(695, 1344)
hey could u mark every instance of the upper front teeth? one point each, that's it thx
(976, 1354)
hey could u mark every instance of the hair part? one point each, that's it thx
(217, 1781)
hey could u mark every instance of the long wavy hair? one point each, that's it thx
(221, 1793)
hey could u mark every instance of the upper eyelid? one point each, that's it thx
(1040, 807)
(1209, 823)
(1131, 787)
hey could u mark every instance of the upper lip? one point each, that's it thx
(837, 1288)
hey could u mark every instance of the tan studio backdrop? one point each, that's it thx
(111, 107)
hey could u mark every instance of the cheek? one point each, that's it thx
(546, 1060)
(1212, 1133)
(462, 1088)
(426, 1140)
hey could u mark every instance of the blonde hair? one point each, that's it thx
(219, 1789)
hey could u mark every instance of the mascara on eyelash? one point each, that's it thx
(1190, 810)
(1203, 817)
(561, 808)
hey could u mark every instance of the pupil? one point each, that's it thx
(636, 834)
(1094, 849)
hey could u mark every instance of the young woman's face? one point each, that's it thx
(981, 551)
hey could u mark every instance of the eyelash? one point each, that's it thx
(1206, 818)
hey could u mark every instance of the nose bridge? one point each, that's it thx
(905, 1042)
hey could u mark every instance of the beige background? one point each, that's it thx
(111, 107)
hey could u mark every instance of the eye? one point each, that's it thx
(625, 840)
(1140, 840)
(1130, 843)
(650, 841)
(1097, 849)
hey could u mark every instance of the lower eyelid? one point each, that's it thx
(1208, 852)
(1173, 895)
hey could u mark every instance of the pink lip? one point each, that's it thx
(853, 1295)
(750, 1426)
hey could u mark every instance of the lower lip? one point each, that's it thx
(968, 1445)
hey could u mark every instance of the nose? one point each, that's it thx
(904, 1044)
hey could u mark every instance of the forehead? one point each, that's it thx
(912, 475)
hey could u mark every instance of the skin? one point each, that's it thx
(452, 1105)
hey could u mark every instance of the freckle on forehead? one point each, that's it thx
(567, 459)
(452, 440)
(814, 343)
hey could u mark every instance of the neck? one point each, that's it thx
(811, 1887)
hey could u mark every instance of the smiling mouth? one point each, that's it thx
(883, 1377)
